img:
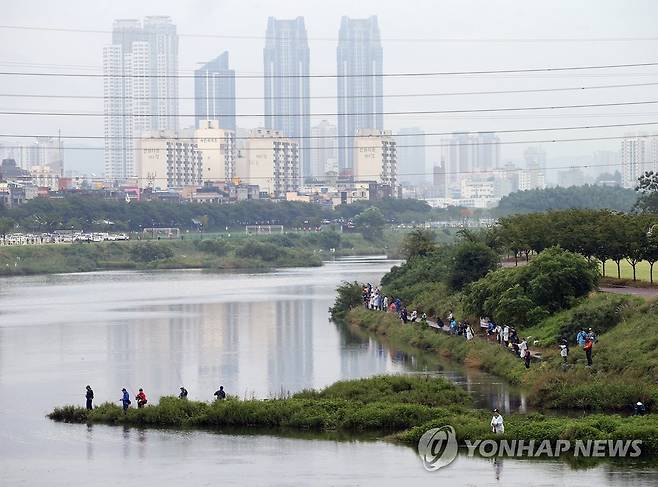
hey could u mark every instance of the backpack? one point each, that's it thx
(588, 344)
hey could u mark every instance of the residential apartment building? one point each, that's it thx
(270, 160)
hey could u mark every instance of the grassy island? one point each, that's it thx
(399, 407)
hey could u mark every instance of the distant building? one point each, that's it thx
(411, 155)
(638, 155)
(214, 92)
(324, 150)
(10, 170)
(573, 176)
(140, 88)
(165, 161)
(532, 177)
(45, 177)
(375, 158)
(360, 87)
(506, 179)
(487, 151)
(271, 161)
(440, 181)
(535, 156)
(287, 85)
(477, 189)
(218, 150)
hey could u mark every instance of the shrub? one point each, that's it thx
(151, 251)
(215, 247)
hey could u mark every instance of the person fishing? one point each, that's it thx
(183, 393)
(125, 399)
(89, 395)
(497, 425)
(141, 398)
(220, 394)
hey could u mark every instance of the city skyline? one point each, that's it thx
(411, 46)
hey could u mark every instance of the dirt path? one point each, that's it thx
(645, 292)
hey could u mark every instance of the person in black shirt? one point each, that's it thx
(89, 395)
(183, 393)
(220, 393)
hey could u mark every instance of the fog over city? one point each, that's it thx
(416, 37)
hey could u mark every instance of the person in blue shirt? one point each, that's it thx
(581, 337)
(125, 399)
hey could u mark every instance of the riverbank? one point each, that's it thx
(400, 407)
(614, 384)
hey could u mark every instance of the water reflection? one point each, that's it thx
(255, 334)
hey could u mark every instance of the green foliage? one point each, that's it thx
(348, 296)
(6, 225)
(387, 403)
(480, 354)
(259, 250)
(215, 247)
(151, 251)
(523, 296)
(470, 262)
(590, 197)
(418, 242)
(370, 223)
(392, 389)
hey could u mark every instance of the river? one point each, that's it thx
(258, 334)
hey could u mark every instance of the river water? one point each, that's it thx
(258, 335)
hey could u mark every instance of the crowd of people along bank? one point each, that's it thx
(505, 335)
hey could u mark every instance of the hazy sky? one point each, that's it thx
(412, 33)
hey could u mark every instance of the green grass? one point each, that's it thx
(625, 358)
(401, 406)
(478, 353)
(176, 254)
(386, 403)
(641, 270)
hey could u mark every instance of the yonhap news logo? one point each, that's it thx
(438, 447)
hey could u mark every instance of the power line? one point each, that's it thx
(261, 115)
(361, 75)
(389, 39)
(424, 173)
(543, 141)
(331, 97)
(339, 136)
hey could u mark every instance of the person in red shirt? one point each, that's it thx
(141, 398)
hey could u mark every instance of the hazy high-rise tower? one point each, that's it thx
(140, 88)
(411, 155)
(214, 92)
(360, 84)
(286, 70)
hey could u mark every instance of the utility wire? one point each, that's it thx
(331, 97)
(328, 114)
(543, 141)
(388, 39)
(425, 173)
(350, 75)
(338, 136)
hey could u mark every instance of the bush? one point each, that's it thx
(259, 250)
(151, 251)
(470, 262)
(215, 247)
(348, 296)
(526, 295)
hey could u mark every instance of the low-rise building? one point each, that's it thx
(271, 161)
(375, 158)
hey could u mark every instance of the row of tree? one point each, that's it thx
(603, 235)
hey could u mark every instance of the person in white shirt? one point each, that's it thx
(497, 425)
(506, 335)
